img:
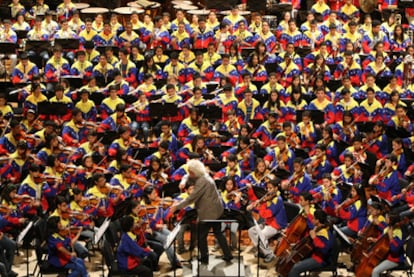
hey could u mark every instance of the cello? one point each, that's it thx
(377, 254)
(300, 251)
(293, 234)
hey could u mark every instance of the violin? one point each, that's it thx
(22, 199)
(87, 124)
(122, 121)
(163, 202)
(70, 230)
(348, 202)
(74, 214)
(5, 209)
(145, 210)
(47, 178)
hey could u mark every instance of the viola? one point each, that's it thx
(145, 210)
(22, 199)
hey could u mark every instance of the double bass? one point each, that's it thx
(362, 243)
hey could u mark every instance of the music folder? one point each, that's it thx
(159, 110)
(21, 34)
(8, 47)
(210, 112)
(67, 43)
(37, 45)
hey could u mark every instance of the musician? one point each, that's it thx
(81, 67)
(348, 12)
(156, 222)
(8, 143)
(149, 67)
(106, 202)
(109, 104)
(24, 70)
(353, 211)
(271, 209)
(38, 190)
(256, 69)
(396, 253)
(306, 131)
(357, 150)
(88, 34)
(72, 132)
(226, 70)
(319, 164)
(346, 106)
(62, 99)
(378, 142)
(322, 242)
(400, 121)
(233, 168)
(321, 8)
(370, 39)
(86, 106)
(92, 54)
(287, 70)
(312, 37)
(346, 130)
(398, 151)
(298, 182)
(292, 35)
(103, 71)
(106, 37)
(40, 8)
(398, 40)
(379, 70)
(281, 156)
(257, 177)
(5, 109)
(245, 84)
(56, 66)
(161, 36)
(18, 165)
(349, 172)
(370, 109)
(123, 142)
(394, 85)
(61, 254)
(76, 23)
(180, 37)
(249, 108)
(349, 68)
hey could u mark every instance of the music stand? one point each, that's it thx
(19, 241)
(21, 34)
(98, 236)
(303, 51)
(52, 108)
(342, 234)
(102, 49)
(169, 189)
(171, 240)
(129, 99)
(262, 98)
(159, 83)
(318, 117)
(74, 81)
(159, 110)
(334, 85)
(211, 112)
(271, 67)
(37, 45)
(67, 43)
(382, 82)
(211, 86)
(109, 137)
(97, 98)
(246, 52)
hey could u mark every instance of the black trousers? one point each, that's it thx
(204, 228)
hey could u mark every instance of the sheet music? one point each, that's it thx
(171, 237)
(101, 231)
(23, 233)
(262, 238)
(342, 234)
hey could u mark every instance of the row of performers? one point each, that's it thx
(365, 223)
(212, 66)
(378, 105)
(278, 144)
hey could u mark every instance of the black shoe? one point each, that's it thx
(225, 258)
(12, 274)
(177, 265)
(181, 250)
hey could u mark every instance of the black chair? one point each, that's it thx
(407, 266)
(333, 266)
(44, 267)
(111, 262)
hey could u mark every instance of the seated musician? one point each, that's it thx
(280, 156)
(322, 242)
(346, 104)
(243, 37)
(156, 219)
(103, 71)
(245, 84)
(396, 253)
(107, 37)
(271, 209)
(328, 195)
(232, 168)
(386, 179)
(132, 258)
(211, 138)
(353, 211)
(34, 98)
(86, 106)
(120, 158)
(8, 143)
(116, 27)
(116, 120)
(180, 37)
(313, 37)
(119, 82)
(226, 70)
(256, 177)
(370, 39)
(75, 23)
(82, 67)
(56, 66)
(24, 70)
(249, 108)
(109, 104)
(189, 124)
(39, 192)
(400, 121)
(13, 218)
(61, 98)
(73, 132)
(62, 211)
(298, 182)
(331, 145)
(61, 254)
(318, 164)
(306, 131)
(226, 100)
(287, 70)
(84, 210)
(349, 172)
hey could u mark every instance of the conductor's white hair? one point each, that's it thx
(196, 167)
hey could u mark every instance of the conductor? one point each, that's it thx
(209, 206)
